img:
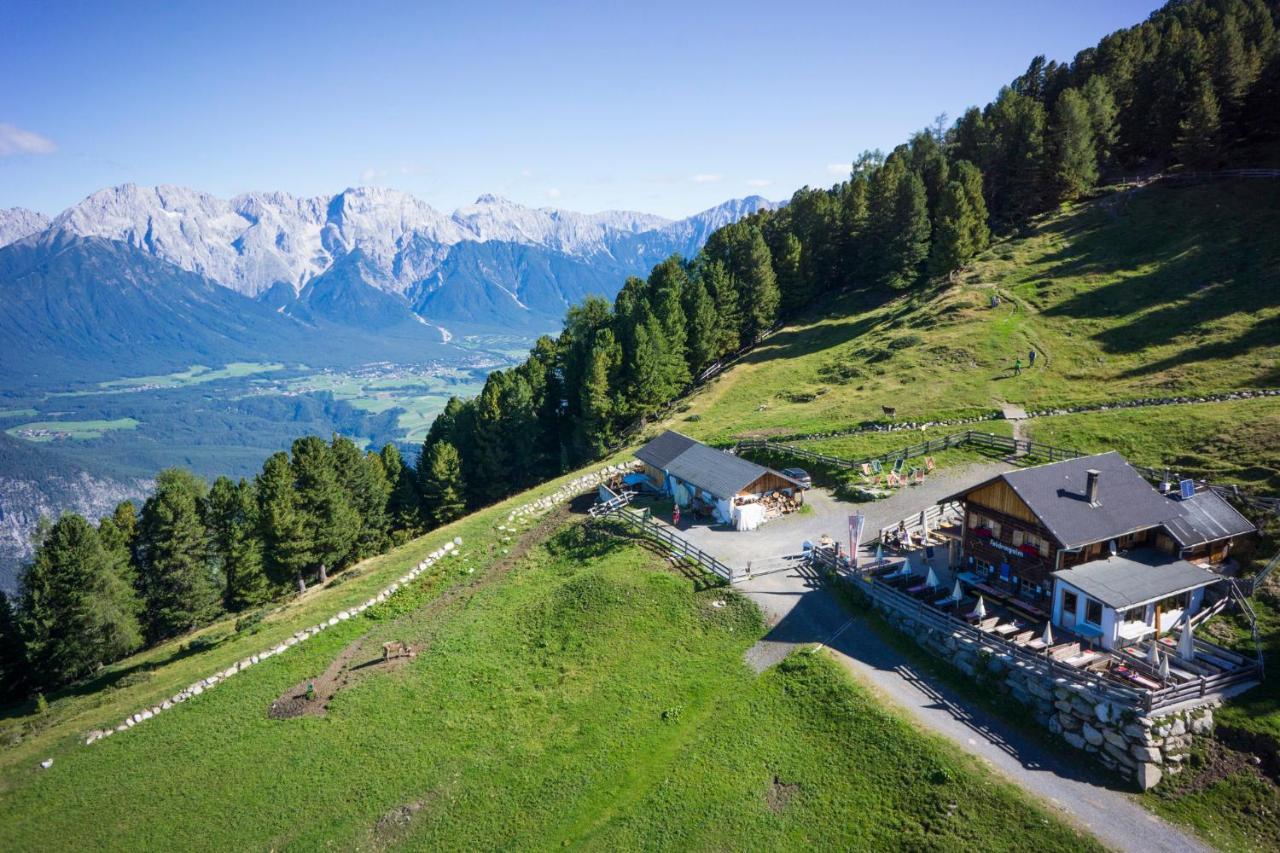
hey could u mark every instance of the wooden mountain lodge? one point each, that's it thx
(727, 487)
(1111, 557)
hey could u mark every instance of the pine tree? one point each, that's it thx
(287, 549)
(909, 245)
(757, 285)
(952, 238)
(702, 342)
(491, 457)
(715, 275)
(667, 284)
(76, 611)
(442, 489)
(970, 179)
(14, 667)
(1075, 157)
(330, 523)
(403, 506)
(368, 491)
(1103, 114)
(595, 424)
(175, 572)
(119, 535)
(1197, 144)
(231, 514)
(520, 433)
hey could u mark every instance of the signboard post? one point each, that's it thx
(856, 522)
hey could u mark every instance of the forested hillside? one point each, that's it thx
(1193, 88)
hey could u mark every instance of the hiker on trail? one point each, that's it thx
(1017, 367)
(1031, 359)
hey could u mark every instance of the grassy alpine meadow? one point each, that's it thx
(586, 696)
(1117, 305)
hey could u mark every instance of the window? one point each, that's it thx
(995, 529)
(1070, 604)
(1174, 602)
(1017, 538)
(1093, 611)
(1135, 614)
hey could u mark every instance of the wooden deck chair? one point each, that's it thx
(897, 466)
(875, 466)
(928, 463)
(919, 475)
(866, 470)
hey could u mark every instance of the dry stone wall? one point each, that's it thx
(1139, 747)
(521, 513)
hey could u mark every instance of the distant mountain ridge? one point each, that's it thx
(263, 242)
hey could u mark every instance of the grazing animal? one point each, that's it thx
(890, 411)
(397, 649)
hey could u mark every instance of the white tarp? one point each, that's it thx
(748, 516)
(681, 494)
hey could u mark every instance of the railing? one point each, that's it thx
(933, 516)
(1255, 582)
(677, 545)
(612, 503)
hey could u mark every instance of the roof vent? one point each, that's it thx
(1091, 486)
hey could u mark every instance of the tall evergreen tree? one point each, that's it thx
(909, 245)
(442, 486)
(231, 515)
(952, 245)
(76, 613)
(330, 522)
(1103, 113)
(403, 506)
(757, 285)
(715, 275)
(287, 548)
(368, 491)
(970, 179)
(15, 675)
(1075, 156)
(597, 405)
(491, 457)
(1198, 132)
(702, 341)
(175, 572)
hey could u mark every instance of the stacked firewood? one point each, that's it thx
(778, 504)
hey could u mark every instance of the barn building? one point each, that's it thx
(692, 472)
(1109, 554)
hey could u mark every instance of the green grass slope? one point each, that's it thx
(1148, 293)
(588, 697)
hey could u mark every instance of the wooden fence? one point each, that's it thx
(639, 521)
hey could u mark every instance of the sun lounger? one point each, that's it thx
(919, 475)
(866, 470)
(928, 462)
(898, 465)
(875, 465)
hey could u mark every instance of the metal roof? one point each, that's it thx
(660, 451)
(722, 474)
(1136, 577)
(1055, 493)
(1205, 517)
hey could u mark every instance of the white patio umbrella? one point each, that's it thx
(1047, 636)
(924, 525)
(981, 609)
(1187, 642)
(956, 592)
(1164, 668)
(1153, 653)
(879, 553)
(931, 580)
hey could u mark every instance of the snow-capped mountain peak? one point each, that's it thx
(18, 222)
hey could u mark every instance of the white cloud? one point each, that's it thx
(553, 193)
(759, 182)
(840, 169)
(15, 140)
(707, 179)
(370, 176)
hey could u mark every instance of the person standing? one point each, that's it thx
(1017, 367)
(675, 515)
(1031, 359)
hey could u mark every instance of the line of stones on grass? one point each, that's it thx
(533, 508)
(1139, 747)
(995, 415)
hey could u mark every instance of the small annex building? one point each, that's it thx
(1114, 557)
(691, 471)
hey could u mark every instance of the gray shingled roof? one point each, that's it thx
(1137, 577)
(1056, 494)
(1207, 517)
(660, 451)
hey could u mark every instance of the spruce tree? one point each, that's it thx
(287, 549)
(77, 612)
(1198, 132)
(596, 402)
(175, 572)
(702, 341)
(909, 245)
(952, 245)
(1103, 114)
(757, 285)
(491, 457)
(715, 275)
(330, 522)
(970, 179)
(1075, 157)
(15, 675)
(520, 433)
(231, 514)
(403, 506)
(368, 491)
(442, 485)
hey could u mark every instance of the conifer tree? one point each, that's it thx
(403, 507)
(1075, 157)
(330, 522)
(715, 275)
(442, 485)
(970, 179)
(703, 338)
(491, 457)
(14, 667)
(757, 285)
(287, 548)
(175, 572)
(119, 535)
(368, 491)
(520, 432)
(77, 612)
(908, 246)
(1103, 117)
(595, 424)
(952, 245)
(231, 514)
(1197, 144)
(667, 284)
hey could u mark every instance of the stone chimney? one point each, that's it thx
(1091, 486)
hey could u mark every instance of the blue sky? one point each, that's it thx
(662, 107)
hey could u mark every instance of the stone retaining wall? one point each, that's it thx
(1139, 747)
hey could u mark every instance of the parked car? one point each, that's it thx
(800, 475)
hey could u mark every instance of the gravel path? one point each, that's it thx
(802, 614)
